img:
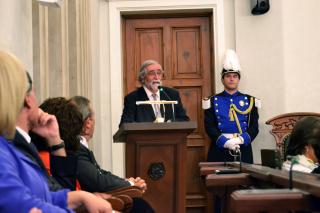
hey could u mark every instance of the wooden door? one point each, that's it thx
(183, 47)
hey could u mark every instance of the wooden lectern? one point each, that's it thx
(156, 152)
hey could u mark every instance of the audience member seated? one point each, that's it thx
(64, 166)
(70, 125)
(23, 184)
(91, 177)
(304, 146)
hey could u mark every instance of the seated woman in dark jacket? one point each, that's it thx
(304, 146)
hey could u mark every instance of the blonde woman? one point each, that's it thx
(22, 184)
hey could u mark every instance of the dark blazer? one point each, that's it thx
(94, 179)
(144, 113)
(63, 169)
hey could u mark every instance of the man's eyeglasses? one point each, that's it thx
(155, 72)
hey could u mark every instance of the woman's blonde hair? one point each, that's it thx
(13, 88)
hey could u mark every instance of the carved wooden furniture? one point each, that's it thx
(207, 168)
(306, 191)
(280, 178)
(270, 187)
(121, 199)
(131, 191)
(126, 194)
(282, 126)
(156, 152)
(220, 186)
(279, 200)
(128, 203)
(116, 203)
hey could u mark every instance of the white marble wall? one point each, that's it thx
(16, 30)
(301, 36)
(279, 53)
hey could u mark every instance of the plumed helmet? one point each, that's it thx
(231, 63)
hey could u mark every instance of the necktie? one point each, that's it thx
(157, 111)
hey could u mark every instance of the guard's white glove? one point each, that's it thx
(238, 140)
(231, 144)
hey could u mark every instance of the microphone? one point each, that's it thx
(228, 170)
(240, 160)
(162, 90)
(294, 161)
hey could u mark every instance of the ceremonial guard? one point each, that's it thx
(231, 117)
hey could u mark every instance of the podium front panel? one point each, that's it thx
(160, 161)
(156, 152)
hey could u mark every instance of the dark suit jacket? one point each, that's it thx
(63, 169)
(144, 113)
(94, 179)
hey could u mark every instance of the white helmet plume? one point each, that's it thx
(231, 63)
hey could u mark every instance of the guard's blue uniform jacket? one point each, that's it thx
(217, 121)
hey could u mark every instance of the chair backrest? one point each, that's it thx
(271, 158)
(282, 126)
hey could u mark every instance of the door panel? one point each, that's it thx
(186, 53)
(182, 46)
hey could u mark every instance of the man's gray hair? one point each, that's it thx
(83, 105)
(143, 69)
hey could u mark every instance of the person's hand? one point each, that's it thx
(131, 179)
(237, 140)
(91, 202)
(231, 144)
(35, 210)
(140, 183)
(48, 128)
(96, 204)
(102, 195)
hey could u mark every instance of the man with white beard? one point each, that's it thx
(150, 76)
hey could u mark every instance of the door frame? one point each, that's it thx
(117, 9)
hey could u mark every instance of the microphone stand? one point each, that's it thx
(293, 162)
(238, 151)
(164, 112)
(225, 158)
(240, 160)
(231, 170)
(162, 90)
(173, 116)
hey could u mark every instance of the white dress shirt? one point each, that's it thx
(84, 142)
(149, 94)
(24, 134)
